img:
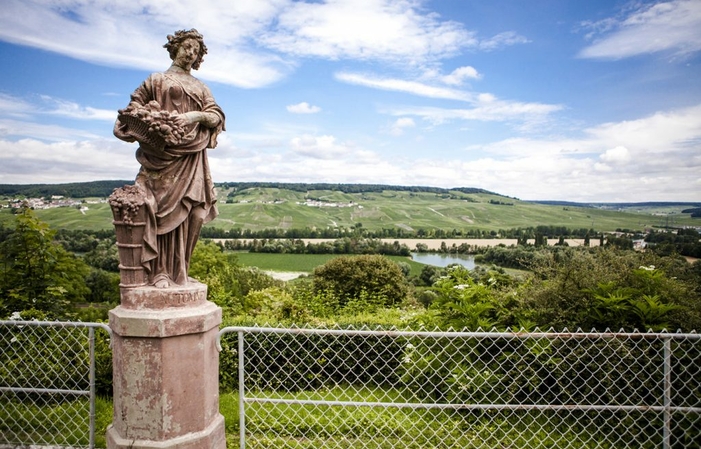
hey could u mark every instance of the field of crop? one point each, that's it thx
(264, 208)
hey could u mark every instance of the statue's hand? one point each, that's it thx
(188, 118)
(208, 119)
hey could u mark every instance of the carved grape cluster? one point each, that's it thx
(127, 200)
(159, 121)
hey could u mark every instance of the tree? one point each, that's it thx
(38, 273)
(355, 277)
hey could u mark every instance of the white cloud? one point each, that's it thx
(399, 125)
(251, 44)
(616, 155)
(501, 40)
(303, 108)
(391, 30)
(318, 147)
(74, 110)
(486, 108)
(14, 107)
(398, 85)
(32, 161)
(458, 76)
(22, 128)
(131, 34)
(673, 26)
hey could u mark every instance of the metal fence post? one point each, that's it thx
(666, 435)
(242, 389)
(91, 380)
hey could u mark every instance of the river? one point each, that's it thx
(443, 260)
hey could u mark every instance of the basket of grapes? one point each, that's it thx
(151, 126)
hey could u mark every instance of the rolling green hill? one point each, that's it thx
(258, 206)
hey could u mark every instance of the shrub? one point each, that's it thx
(349, 278)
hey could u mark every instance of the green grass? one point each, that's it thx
(63, 423)
(303, 262)
(392, 209)
(313, 426)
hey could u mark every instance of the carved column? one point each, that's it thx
(166, 370)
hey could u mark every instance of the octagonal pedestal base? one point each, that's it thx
(166, 370)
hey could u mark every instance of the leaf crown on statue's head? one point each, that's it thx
(180, 36)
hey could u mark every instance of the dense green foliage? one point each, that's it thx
(345, 188)
(349, 278)
(100, 189)
(37, 273)
(560, 287)
(344, 245)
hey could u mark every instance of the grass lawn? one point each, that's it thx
(312, 426)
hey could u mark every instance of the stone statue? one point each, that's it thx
(175, 119)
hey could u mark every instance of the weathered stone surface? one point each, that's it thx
(175, 119)
(166, 370)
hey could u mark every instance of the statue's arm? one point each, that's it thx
(141, 96)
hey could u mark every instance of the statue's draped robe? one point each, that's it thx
(179, 189)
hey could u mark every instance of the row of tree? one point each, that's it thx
(431, 233)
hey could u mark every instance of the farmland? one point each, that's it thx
(260, 208)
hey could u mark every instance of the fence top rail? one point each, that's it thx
(458, 334)
(102, 326)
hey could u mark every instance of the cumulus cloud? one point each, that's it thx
(33, 161)
(616, 155)
(251, 44)
(303, 108)
(392, 30)
(459, 75)
(610, 162)
(399, 125)
(318, 147)
(673, 26)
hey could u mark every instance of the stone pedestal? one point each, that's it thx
(166, 370)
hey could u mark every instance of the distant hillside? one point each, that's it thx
(391, 210)
(645, 204)
(346, 188)
(105, 188)
(101, 189)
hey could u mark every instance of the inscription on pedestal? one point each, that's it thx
(164, 298)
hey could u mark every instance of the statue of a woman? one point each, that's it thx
(174, 176)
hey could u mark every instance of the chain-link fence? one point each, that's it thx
(47, 382)
(311, 388)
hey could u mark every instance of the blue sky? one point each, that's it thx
(540, 99)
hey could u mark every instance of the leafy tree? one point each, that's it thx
(227, 282)
(37, 273)
(607, 288)
(349, 278)
(463, 303)
(104, 256)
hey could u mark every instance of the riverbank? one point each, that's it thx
(436, 244)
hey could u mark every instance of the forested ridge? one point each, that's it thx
(105, 188)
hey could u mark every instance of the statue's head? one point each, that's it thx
(181, 36)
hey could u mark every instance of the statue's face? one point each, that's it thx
(187, 54)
